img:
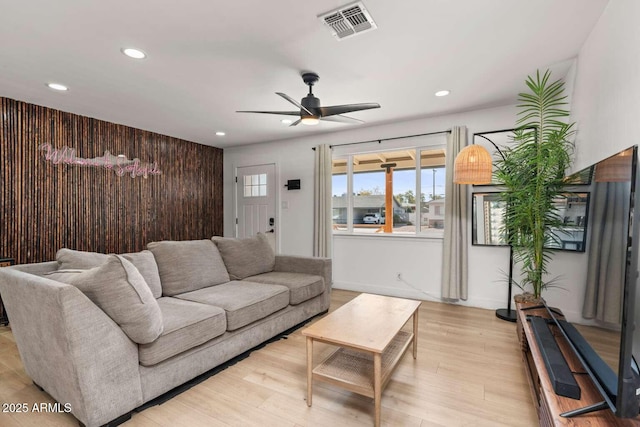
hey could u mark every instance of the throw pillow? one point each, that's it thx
(118, 288)
(188, 265)
(145, 262)
(246, 257)
(69, 259)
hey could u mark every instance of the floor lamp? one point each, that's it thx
(507, 313)
(473, 165)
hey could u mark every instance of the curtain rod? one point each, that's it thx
(388, 139)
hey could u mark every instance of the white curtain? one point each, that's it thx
(454, 265)
(322, 221)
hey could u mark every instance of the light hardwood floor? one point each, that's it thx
(468, 372)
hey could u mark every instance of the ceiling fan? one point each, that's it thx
(311, 112)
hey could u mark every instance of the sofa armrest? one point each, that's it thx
(310, 265)
(71, 348)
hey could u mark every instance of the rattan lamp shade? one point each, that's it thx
(472, 166)
(616, 168)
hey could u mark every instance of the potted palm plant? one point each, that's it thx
(532, 171)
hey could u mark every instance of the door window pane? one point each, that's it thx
(255, 185)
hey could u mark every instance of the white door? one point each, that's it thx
(256, 201)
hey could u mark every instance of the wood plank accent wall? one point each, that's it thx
(46, 206)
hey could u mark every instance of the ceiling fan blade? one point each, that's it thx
(294, 102)
(341, 119)
(347, 108)
(295, 123)
(286, 113)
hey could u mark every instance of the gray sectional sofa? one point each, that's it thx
(106, 334)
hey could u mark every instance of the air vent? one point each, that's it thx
(348, 21)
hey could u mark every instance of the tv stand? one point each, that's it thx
(552, 409)
(537, 306)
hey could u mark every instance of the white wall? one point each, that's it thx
(371, 264)
(606, 99)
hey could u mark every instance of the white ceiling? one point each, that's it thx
(209, 58)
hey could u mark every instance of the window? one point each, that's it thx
(390, 192)
(255, 185)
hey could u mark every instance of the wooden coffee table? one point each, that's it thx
(371, 342)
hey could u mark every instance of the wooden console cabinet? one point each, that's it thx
(548, 404)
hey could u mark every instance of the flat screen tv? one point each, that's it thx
(610, 346)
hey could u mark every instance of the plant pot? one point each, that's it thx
(528, 298)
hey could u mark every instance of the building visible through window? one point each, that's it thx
(362, 203)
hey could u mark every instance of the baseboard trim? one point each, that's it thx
(408, 291)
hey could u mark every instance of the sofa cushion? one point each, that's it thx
(144, 262)
(118, 288)
(187, 324)
(82, 260)
(246, 257)
(188, 265)
(302, 287)
(244, 302)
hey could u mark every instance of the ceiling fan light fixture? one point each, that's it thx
(310, 120)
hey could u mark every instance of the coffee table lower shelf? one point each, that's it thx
(353, 369)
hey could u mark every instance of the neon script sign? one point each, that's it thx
(119, 164)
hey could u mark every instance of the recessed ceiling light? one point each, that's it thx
(286, 121)
(219, 133)
(442, 93)
(57, 86)
(133, 53)
(310, 120)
